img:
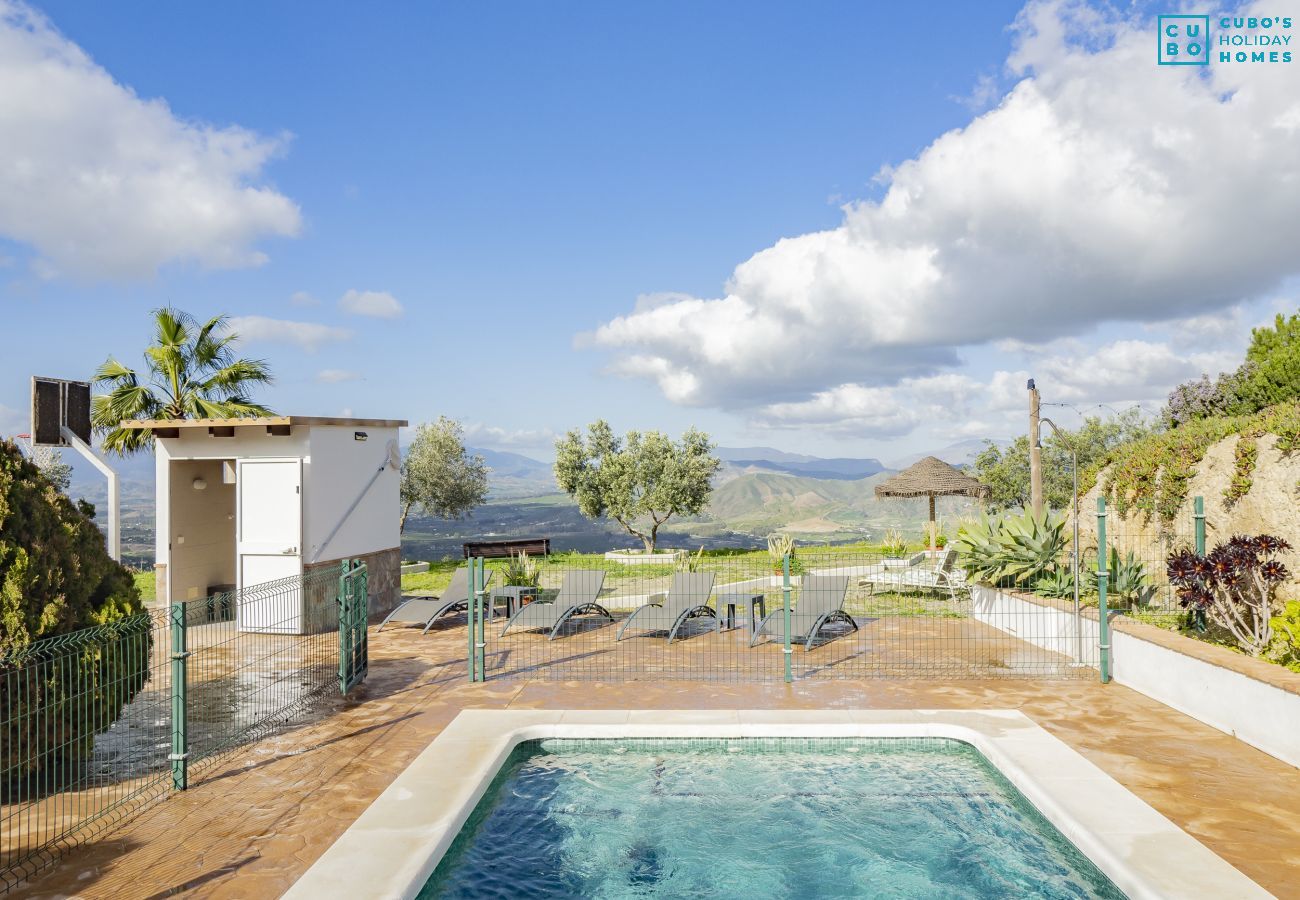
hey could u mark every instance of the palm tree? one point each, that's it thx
(191, 373)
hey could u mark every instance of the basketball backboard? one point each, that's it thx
(59, 403)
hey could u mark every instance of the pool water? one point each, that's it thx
(753, 818)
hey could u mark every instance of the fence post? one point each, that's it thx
(344, 608)
(180, 726)
(1199, 517)
(472, 606)
(1103, 618)
(785, 591)
(480, 643)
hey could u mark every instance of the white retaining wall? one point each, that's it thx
(1261, 714)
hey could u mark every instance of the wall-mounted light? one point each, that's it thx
(199, 484)
(359, 435)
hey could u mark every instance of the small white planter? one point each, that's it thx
(641, 558)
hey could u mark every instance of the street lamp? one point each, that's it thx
(1074, 547)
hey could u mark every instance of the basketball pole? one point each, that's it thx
(114, 540)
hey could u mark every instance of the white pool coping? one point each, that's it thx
(393, 847)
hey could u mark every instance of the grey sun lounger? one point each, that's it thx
(688, 597)
(578, 593)
(821, 601)
(425, 610)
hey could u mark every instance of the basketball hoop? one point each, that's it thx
(61, 418)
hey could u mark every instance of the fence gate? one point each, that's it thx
(354, 649)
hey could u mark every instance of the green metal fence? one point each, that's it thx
(745, 616)
(824, 612)
(97, 723)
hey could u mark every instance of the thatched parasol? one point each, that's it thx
(932, 477)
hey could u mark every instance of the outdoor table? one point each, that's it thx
(731, 601)
(514, 596)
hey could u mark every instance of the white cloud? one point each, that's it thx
(302, 298)
(103, 183)
(308, 335)
(879, 412)
(337, 376)
(1100, 189)
(495, 437)
(379, 304)
(1126, 372)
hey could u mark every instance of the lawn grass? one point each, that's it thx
(146, 582)
(730, 566)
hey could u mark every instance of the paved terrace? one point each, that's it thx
(254, 822)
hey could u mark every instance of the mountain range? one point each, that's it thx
(758, 490)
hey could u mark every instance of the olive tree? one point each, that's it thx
(640, 480)
(439, 475)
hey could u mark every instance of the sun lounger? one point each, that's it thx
(821, 601)
(944, 578)
(426, 610)
(577, 596)
(688, 597)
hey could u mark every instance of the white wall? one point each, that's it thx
(339, 467)
(201, 530)
(1253, 711)
(195, 443)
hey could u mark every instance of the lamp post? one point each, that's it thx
(1074, 546)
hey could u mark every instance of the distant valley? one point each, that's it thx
(758, 491)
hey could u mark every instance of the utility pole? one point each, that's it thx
(1035, 454)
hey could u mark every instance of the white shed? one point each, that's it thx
(244, 501)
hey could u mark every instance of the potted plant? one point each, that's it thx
(520, 577)
(894, 546)
(779, 546)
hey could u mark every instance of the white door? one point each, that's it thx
(269, 542)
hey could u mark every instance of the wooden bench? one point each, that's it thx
(501, 549)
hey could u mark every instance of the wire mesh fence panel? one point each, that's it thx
(1137, 584)
(81, 737)
(590, 618)
(254, 672)
(726, 617)
(91, 721)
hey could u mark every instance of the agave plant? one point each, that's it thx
(521, 571)
(1234, 586)
(1015, 551)
(1058, 583)
(1128, 578)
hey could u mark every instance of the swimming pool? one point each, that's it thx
(759, 817)
(437, 808)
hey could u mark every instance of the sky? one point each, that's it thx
(843, 229)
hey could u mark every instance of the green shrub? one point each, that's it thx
(1151, 475)
(56, 578)
(1285, 646)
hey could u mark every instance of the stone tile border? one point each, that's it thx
(393, 847)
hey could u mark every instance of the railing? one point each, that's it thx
(851, 614)
(97, 723)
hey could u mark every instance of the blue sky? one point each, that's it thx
(501, 182)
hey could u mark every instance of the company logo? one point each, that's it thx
(1183, 40)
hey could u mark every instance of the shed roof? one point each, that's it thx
(931, 477)
(151, 424)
